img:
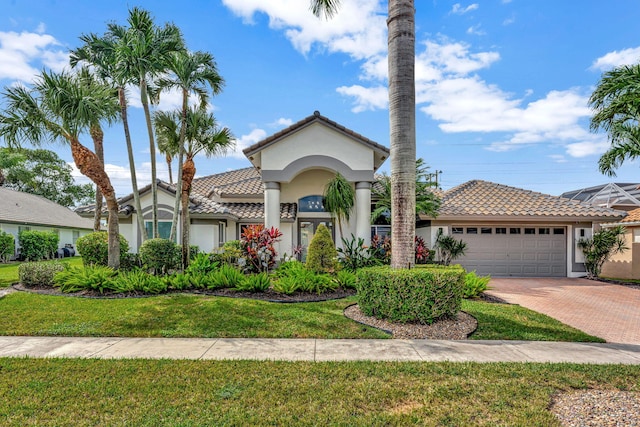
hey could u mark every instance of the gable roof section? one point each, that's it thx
(481, 199)
(245, 181)
(316, 117)
(29, 209)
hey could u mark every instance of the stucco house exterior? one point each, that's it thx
(509, 231)
(23, 211)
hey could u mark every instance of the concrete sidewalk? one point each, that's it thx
(318, 350)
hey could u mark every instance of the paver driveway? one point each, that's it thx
(605, 310)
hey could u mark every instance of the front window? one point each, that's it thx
(164, 229)
(311, 204)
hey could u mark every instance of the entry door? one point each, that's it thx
(306, 229)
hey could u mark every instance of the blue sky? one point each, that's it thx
(502, 85)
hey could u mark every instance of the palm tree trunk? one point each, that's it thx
(168, 159)
(183, 131)
(188, 172)
(90, 166)
(402, 107)
(98, 144)
(132, 165)
(152, 152)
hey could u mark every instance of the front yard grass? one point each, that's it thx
(90, 392)
(217, 317)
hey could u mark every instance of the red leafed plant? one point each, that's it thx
(422, 252)
(258, 247)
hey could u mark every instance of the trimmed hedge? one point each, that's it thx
(160, 256)
(39, 273)
(38, 245)
(421, 295)
(94, 248)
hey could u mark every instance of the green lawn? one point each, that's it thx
(9, 272)
(56, 392)
(207, 316)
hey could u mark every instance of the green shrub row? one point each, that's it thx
(421, 295)
(38, 245)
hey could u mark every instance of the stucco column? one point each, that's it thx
(272, 207)
(363, 211)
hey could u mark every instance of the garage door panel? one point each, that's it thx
(534, 255)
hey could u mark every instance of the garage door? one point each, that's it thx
(519, 251)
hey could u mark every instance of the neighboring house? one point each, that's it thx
(620, 196)
(23, 211)
(509, 231)
(626, 265)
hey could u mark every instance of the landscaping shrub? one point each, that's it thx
(318, 284)
(421, 295)
(202, 263)
(422, 253)
(603, 245)
(474, 285)
(39, 273)
(94, 248)
(178, 282)
(138, 281)
(286, 285)
(159, 256)
(230, 252)
(130, 261)
(255, 283)
(258, 249)
(345, 279)
(227, 276)
(353, 255)
(38, 245)
(449, 248)
(92, 277)
(321, 255)
(7, 246)
(380, 249)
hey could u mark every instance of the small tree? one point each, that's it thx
(602, 246)
(339, 199)
(449, 248)
(322, 255)
(7, 246)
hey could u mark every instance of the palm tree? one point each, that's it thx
(60, 107)
(402, 118)
(190, 72)
(100, 53)
(167, 149)
(143, 55)
(202, 135)
(616, 106)
(339, 197)
(427, 202)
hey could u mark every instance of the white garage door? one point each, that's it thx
(519, 251)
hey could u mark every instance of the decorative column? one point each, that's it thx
(272, 207)
(363, 211)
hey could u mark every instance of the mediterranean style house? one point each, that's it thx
(23, 211)
(509, 231)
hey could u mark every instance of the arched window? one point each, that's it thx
(311, 204)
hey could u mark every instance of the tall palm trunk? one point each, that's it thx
(132, 166)
(152, 152)
(179, 184)
(89, 164)
(98, 144)
(188, 172)
(402, 106)
(168, 160)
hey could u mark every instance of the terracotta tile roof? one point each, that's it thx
(24, 208)
(632, 216)
(482, 198)
(315, 117)
(250, 211)
(245, 181)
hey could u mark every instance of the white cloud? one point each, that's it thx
(558, 158)
(617, 58)
(373, 98)
(587, 148)
(476, 30)
(22, 55)
(359, 30)
(281, 122)
(458, 9)
(120, 176)
(245, 141)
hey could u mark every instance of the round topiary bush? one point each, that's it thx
(94, 248)
(322, 254)
(159, 256)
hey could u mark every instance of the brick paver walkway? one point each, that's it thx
(605, 310)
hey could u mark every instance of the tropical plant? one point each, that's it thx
(227, 276)
(60, 107)
(160, 256)
(44, 173)
(449, 248)
(427, 201)
(255, 283)
(104, 55)
(422, 253)
(202, 263)
(616, 110)
(93, 277)
(474, 285)
(258, 248)
(353, 254)
(229, 253)
(287, 285)
(202, 136)
(380, 249)
(402, 118)
(339, 197)
(345, 279)
(321, 255)
(603, 245)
